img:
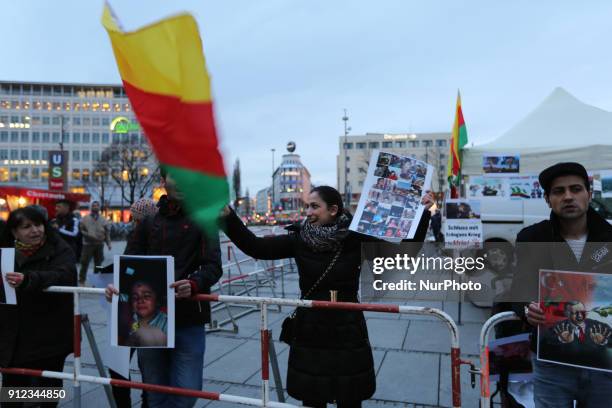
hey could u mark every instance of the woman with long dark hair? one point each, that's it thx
(36, 333)
(330, 357)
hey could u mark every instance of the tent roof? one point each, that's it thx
(560, 121)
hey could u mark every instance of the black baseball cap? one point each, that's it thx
(547, 176)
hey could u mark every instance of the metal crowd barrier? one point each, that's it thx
(262, 302)
(485, 332)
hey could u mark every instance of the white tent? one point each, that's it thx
(561, 128)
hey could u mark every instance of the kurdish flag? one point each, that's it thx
(163, 70)
(459, 139)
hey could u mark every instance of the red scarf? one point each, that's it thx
(28, 250)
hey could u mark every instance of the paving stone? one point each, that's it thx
(387, 333)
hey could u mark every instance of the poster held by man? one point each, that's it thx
(143, 313)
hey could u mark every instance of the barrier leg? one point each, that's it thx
(456, 377)
(96, 353)
(76, 401)
(278, 382)
(265, 365)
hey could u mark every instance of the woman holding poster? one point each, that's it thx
(330, 358)
(42, 259)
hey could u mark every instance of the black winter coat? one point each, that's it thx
(41, 324)
(196, 257)
(330, 358)
(550, 251)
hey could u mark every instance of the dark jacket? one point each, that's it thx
(330, 357)
(41, 324)
(550, 251)
(67, 227)
(196, 257)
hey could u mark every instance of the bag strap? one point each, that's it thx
(329, 268)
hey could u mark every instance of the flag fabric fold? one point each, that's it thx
(458, 140)
(163, 70)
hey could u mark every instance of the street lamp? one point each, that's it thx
(272, 204)
(347, 197)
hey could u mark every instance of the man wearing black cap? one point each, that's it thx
(576, 239)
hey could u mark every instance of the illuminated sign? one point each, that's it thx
(57, 170)
(121, 124)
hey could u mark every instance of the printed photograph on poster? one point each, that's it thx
(390, 204)
(511, 355)
(606, 183)
(578, 310)
(7, 264)
(525, 187)
(500, 164)
(143, 313)
(462, 224)
(488, 187)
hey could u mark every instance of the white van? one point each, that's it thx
(503, 219)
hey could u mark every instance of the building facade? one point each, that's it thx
(263, 204)
(80, 119)
(356, 150)
(291, 185)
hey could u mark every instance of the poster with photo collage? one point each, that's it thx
(390, 203)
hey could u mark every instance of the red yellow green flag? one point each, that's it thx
(163, 70)
(459, 139)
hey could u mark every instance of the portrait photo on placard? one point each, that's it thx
(144, 310)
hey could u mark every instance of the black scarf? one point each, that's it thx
(323, 238)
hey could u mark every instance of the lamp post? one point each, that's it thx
(347, 197)
(272, 204)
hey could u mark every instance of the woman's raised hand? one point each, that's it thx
(428, 200)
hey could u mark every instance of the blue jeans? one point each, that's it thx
(557, 386)
(179, 367)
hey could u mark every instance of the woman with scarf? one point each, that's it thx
(330, 358)
(36, 333)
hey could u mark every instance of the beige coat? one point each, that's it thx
(95, 232)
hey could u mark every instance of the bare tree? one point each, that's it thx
(131, 165)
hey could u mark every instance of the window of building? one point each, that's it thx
(441, 143)
(46, 120)
(4, 174)
(46, 137)
(4, 136)
(361, 145)
(36, 174)
(14, 119)
(95, 122)
(66, 137)
(400, 144)
(25, 137)
(427, 143)
(36, 121)
(14, 174)
(387, 144)
(85, 176)
(95, 138)
(76, 155)
(76, 174)
(25, 154)
(373, 145)
(85, 155)
(95, 155)
(35, 154)
(86, 121)
(35, 137)
(347, 146)
(24, 173)
(76, 137)
(76, 121)
(44, 154)
(105, 138)
(55, 120)
(44, 174)
(55, 137)
(414, 143)
(105, 121)
(116, 137)
(85, 137)
(14, 137)
(3, 154)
